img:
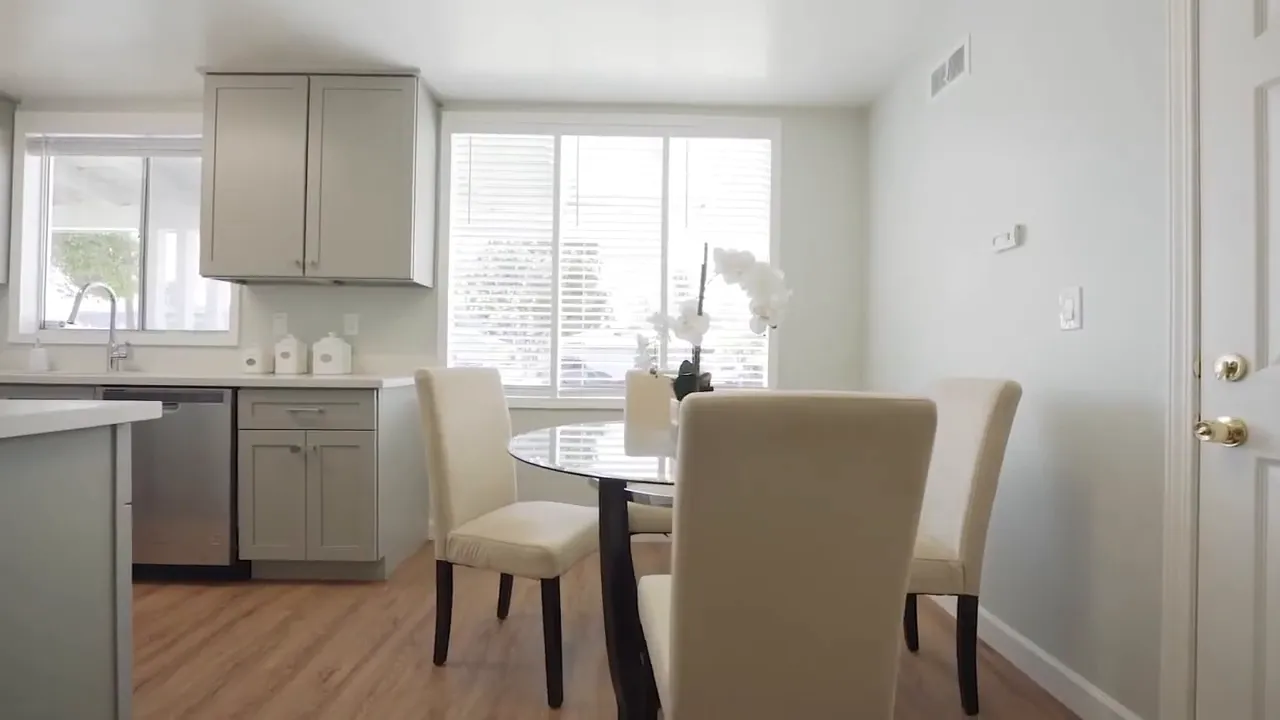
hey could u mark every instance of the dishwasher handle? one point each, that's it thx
(171, 397)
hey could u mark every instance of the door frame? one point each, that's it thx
(1182, 455)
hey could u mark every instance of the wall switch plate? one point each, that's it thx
(279, 324)
(1008, 240)
(351, 324)
(1070, 310)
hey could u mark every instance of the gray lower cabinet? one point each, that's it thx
(308, 495)
(342, 495)
(66, 598)
(273, 495)
(331, 482)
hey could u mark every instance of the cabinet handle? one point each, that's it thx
(298, 263)
(295, 449)
(315, 449)
(313, 263)
(315, 410)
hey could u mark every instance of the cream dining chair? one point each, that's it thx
(478, 522)
(792, 509)
(975, 417)
(647, 410)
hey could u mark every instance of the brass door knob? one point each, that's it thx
(1231, 368)
(1226, 431)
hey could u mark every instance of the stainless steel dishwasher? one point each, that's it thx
(183, 476)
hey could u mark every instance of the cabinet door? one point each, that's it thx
(124, 611)
(273, 495)
(342, 495)
(360, 180)
(255, 174)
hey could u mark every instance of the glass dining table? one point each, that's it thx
(625, 465)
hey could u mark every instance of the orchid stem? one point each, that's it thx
(702, 293)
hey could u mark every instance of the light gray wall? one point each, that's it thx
(823, 177)
(823, 230)
(1061, 126)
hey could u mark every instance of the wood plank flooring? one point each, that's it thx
(346, 651)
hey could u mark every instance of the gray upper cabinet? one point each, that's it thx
(255, 170)
(350, 179)
(360, 178)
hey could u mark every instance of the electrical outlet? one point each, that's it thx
(279, 324)
(351, 324)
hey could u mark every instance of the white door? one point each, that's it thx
(1238, 624)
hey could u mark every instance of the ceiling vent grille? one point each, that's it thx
(950, 70)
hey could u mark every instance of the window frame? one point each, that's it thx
(26, 270)
(605, 124)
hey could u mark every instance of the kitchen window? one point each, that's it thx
(563, 238)
(123, 210)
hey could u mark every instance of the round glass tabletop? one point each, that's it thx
(601, 451)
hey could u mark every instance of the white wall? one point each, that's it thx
(1061, 126)
(823, 225)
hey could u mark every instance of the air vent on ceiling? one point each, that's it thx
(950, 70)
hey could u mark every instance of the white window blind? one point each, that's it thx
(562, 245)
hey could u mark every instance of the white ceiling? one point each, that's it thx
(678, 51)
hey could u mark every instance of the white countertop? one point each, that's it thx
(235, 380)
(19, 418)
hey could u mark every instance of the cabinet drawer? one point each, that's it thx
(307, 409)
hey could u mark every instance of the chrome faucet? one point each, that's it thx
(115, 351)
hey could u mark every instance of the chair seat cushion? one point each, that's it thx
(648, 518)
(654, 595)
(530, 539)
(936, 569)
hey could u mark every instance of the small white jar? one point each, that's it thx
(291, 356)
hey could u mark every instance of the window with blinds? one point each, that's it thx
(561, 246)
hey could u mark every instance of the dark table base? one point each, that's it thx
(623, 636)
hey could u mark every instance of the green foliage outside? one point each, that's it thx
(111, 257)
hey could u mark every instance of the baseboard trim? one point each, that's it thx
(1071, 689)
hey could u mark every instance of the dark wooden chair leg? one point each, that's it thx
(911, 624)
(551, 641)
(444, 610)
(967, 651)
(504, 596)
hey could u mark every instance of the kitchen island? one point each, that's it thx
(66, 557)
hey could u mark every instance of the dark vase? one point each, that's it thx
(688, 380)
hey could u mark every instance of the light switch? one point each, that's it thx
(279, 324)
(1070, 310)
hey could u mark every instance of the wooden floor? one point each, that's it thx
(345, 651)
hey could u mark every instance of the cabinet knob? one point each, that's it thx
(298, 263)
(295, 449)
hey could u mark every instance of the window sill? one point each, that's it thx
(530, 403)
(154, 338)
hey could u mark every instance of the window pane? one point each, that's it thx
(721, 194)
(94, 221)
(177, 297)
(610, 257)
(500, 227)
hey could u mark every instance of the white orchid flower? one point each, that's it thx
(732, 265)
(686, 325)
